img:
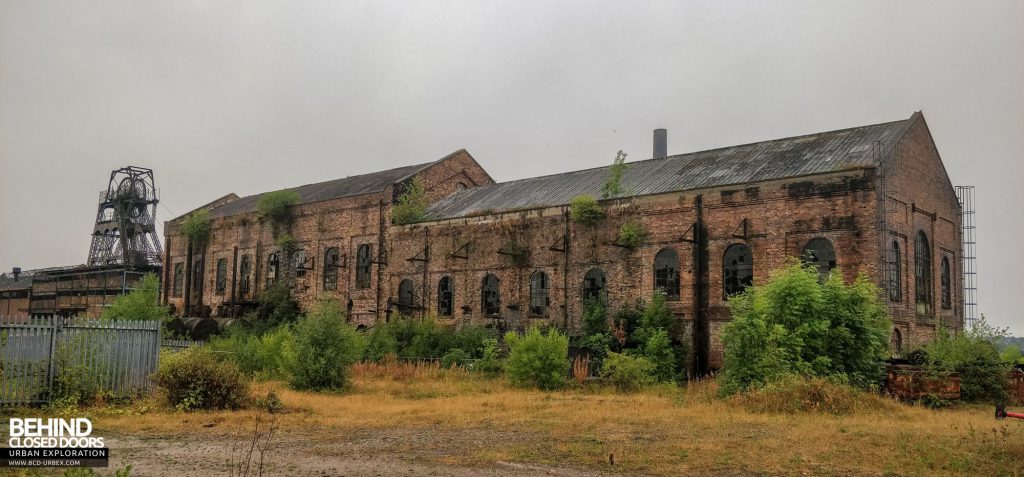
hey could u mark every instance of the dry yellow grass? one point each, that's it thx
(661, 431)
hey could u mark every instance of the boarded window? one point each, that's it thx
(490, 295)
(406, 296)
(737, 269)
(222, 276)
(245, 272)
(299, 265)
(820, 253)
(666, 273)
(946, 279)
(539, 299)
(272, 265)
(179, 278)
(594, 286)
(895, 273)
(331, 264)
(363, 261)
(446, 296)
(922, 274)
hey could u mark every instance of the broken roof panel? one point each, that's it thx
(762, 161)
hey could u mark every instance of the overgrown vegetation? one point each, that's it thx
(195, 379)
(974, 354)
(276, 307)
(324, 349)
(537, 359)
(196, 227)
(627, 372)
(143, 303)
(425, 339)
(613, 183)
(632, 234)
(258, 355)
(412, 204)
(796, 325)
(584, 209)
(275, 207)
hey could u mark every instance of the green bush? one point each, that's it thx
(196, 227)
(585, 210)
(795, 324)
(537, 359)
(613, 183)
(143, 303)
(412, 204)
(454, 357)
(276, 307)
(275, 207)
(489, 361)
(324, 350)
(658, 350)
(626, 372)
(974, 354)
(791, 394)
(632, 234)
(426, 338)
(195, 379)
(256, 355)
(380, 343)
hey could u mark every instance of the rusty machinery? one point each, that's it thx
(125, 231)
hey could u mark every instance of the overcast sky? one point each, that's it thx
(245, 97)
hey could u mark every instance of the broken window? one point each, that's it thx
(446, 296)
(179, 277)
(331, 264)
(406, 296)
(947, 293)
(363, 261)
(895, 273)
(539, 299)
(245, 270)
(197, 278)
(820, 254)
(272, 268)
(490, 295)
(737, 269)
(922, 274)
(222, 276)
(666, 273)
(896, 342)
(594, 286)
(299, 265)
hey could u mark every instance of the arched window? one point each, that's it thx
(947, 292)
(922, 274)
(490, 295)
(179, 277)
(363, 266)
(895, 273)
(666, 273)
(406, 295)
(896, 342)
(222, 276)
(594, 286)
(737, 269)
(272, 268)
(331, 263)
(820, 253)
(539, 300)
(245, 270)
(446, 296)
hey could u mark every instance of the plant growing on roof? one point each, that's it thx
(197, 227)
(584, 209)
(632, 234)
(613, 184)
(275, 208)
(412, 204)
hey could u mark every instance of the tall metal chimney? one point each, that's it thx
(660, 143)
(16, 271)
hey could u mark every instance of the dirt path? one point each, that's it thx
(403, 452)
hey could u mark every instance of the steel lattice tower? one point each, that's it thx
(125, 231)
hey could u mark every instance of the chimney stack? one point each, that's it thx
(660, 143)
(16, 271)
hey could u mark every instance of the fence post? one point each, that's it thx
(50, 365)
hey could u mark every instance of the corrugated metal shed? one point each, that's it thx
(768, 160)
(338, 188)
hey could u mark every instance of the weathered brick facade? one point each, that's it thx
(775, 219)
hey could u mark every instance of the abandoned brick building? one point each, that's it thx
(874, 199)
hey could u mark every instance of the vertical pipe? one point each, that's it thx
(234, 274)
(701, 331)
(188, 281)
(565, 271)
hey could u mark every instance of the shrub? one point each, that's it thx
(276, 307)
(792, 394)
(489, 362)
(380, 343)
(613, 183)
(585, 210)
(974, 354)
(632, 234)
(412, 204)
(324, 350)
(426, 338)
(195, 379)
(795, 324)
(627, 373)
(143, 303)
(256, 355)
(274, 207)
(537, 359)
(454, 357)
(197, 227)
(658, 350)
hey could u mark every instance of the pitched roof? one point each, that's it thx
(335, 189)
(761, 161)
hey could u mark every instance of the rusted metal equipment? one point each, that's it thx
(909, 382)
(125, 230)
(1002, 413)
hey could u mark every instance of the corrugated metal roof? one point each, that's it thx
(347, 187)
(768, 160)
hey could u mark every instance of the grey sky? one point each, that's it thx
(243, 97)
